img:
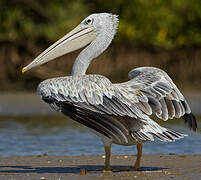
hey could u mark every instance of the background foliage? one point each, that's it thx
(158, 30)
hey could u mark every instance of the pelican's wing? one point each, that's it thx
(138, 98)
(164, 98)
(92, 92)
(111, 110)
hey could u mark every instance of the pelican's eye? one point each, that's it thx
(89, 21)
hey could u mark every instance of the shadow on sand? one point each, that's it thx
(76, 170)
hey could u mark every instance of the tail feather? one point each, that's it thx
(151, 130)
(190, 120)
(168, 135)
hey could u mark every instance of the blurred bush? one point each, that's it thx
(167, 24)
(28, 26)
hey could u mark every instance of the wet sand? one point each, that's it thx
(160, 167)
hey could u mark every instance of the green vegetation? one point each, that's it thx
(28, 26)
(169, 24)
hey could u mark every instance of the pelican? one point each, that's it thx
(119, 113)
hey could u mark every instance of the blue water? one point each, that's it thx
(20, 136)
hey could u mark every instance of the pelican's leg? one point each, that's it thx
(139, 155)
(107, 162)
(107, 158)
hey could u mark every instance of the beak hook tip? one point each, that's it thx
(23, 70)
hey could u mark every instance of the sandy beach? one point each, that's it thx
(160, 167)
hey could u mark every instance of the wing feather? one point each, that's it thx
(171, 109)
(149, 91)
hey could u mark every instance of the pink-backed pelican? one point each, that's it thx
(117, 112)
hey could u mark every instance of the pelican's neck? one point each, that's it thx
(93, 50)
(84, 59)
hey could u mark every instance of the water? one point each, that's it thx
(58, 135)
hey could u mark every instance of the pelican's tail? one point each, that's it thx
(151, 130)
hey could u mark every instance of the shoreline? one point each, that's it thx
(161, 167)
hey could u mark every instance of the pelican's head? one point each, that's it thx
(86, 32)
